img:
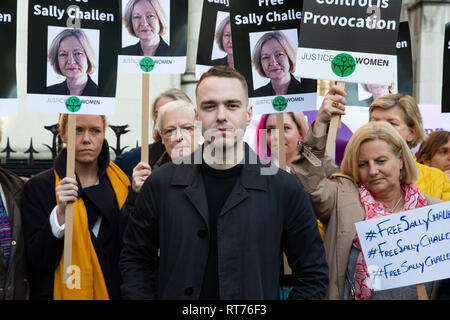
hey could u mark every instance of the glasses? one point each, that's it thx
(184, 130)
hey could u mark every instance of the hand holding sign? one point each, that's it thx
(407, 248)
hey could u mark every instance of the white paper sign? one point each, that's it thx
(408, 247)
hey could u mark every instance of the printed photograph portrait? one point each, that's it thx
(145, 27)
(273, 58)
(72, 61)
(362, 95)
(222, 49)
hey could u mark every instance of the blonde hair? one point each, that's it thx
(177, 105)
(64, 118)
(284, 42)
(378, 130)
(128, 13)
(411, 113)
(84, 41)
(219, 33)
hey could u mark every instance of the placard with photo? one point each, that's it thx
(265, 41)
(215, 42)
(154, 36)
(72, 56)
(8, 87)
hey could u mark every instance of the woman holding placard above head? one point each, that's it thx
(225, 43)
(146, 20)
(274, 58)
(129, 160)
(295, 129)
(376, 179)
(403, 113)
(71, 56)
(98, 192)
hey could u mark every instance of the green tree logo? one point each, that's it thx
(279, 103)
(73, 104)
(343, 65)
(147, 64)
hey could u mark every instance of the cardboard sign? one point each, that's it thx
(72, 56)
(8, 87)
(157, 46)
(349, 41)
(408, 247)
(446, 74)
(215, 43)
(265, 38)
(363, 95)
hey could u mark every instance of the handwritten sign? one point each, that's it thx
(408, 247)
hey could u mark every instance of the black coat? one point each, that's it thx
(13, 280)
(44, 250)
(263, 215)
(136, 49)
(220, 62)
(295, 87)
(90, 90)
(128, 160)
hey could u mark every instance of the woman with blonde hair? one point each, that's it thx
(376, 179)
(71, 56)
(274, 57)
(98, 192)
(403, 113)
(224, 41)
(147, 21)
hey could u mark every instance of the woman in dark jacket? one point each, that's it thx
(98, 192)
(13, 279)
(146, 20)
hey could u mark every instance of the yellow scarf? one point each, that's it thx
(88, 282)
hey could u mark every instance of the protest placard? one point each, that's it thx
(408, 247)
(349, 40)
(265, 38)
(215, 43)
(159, 45)
(446, 72)
(72, 56)
(8, 87)
(359, 94)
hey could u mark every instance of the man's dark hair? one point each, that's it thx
(224, 72)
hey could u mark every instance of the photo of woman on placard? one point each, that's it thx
(225, 43)
(147, 21)
(274, 57)
(71, 56)
(363, 95)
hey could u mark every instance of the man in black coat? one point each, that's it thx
(220, 219)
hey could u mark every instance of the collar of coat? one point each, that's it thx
(251, 178)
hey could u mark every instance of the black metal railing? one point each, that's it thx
(29, 166)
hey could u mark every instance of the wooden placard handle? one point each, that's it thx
(281, 147)
(145, 116)
(70, 172)
(282, 165)
(335, 123)
(421, 292)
